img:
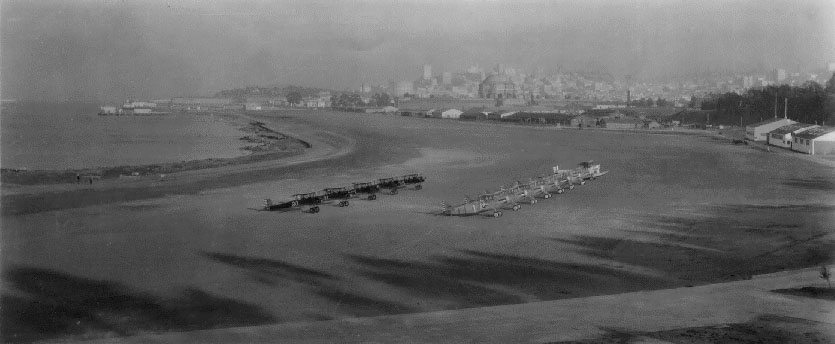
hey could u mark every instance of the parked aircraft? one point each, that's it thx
(589, 170)
(470, 208)
(341, 193)
(395, 183)
(298, 201)
(369, 188)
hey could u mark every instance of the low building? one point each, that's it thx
(107, 110)
(759, 131)
(651, 124)
(622, 123)
(815, 141)
(583, 121)
(451, 113)
(784, 136)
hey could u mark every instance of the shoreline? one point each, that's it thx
(264, 144)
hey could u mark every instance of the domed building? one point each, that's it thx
(498, 86)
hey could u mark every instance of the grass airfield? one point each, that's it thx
(675, 210)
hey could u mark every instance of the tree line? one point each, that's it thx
(808, 103)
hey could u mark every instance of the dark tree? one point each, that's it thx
(294, 97)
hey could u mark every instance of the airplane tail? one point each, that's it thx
(267, 203)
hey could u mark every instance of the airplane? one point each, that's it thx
(395, 183)
(517, 194)
(470, 208)
(570, 177)
(340, 193)
(299, 200)
(589, 170)
(370, 188)
(415, 178)
(542, 188)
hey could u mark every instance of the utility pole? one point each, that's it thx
(786, 107)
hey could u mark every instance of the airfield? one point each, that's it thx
(194, 252)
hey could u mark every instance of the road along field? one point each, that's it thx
(675, 210)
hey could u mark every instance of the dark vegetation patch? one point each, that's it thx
(766, 329)
(48, 304)
(813, 292)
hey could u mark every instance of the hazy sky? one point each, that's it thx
(110, 50)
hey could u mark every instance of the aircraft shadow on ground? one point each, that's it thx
(51, 304)
(719, 243)
(478, 279)
(272, 272)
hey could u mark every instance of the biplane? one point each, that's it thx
(310, 200)
(341, 193)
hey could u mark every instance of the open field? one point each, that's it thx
(675, 210)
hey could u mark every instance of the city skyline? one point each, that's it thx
(57, 51)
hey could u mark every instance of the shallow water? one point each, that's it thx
(71, 135)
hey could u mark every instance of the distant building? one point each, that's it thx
(427, 72)
(404, 87)
(451, 113)
(815, 141)
(783, 136)
(498, 86)
(759, 131)
(583, 121)
(446, 78)
(622, 123)
(107, 110)
(202, 104)
(651, 124)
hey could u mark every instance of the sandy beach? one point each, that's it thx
(675, 211)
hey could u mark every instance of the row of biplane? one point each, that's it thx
(492, 203)
(310, 202)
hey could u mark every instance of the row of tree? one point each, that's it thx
(648, 102)
(348, 100)
(809, 103)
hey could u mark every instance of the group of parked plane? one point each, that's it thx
(312, 200)
(491, 204)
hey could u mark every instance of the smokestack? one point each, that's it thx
(628, 98)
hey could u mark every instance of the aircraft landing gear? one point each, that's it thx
(343, 203)
(418, 187)
(394, 191)
(547, 196)
(571, 187)
(560, 191)
(497, 214)
(314, 210)
(533, 201)
(516, 207)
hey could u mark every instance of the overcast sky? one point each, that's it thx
(96, 50)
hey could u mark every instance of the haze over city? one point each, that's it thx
(110, 51)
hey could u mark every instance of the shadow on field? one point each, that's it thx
(811, 184)
(720, 243)
(478, 279)
(272, 272)
(50, 304)
(763, 329)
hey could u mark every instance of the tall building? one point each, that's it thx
(427, 72)
(831, 67)
(404, 87)
(779, 75)
(446, 78)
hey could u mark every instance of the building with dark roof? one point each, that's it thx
(622, 123)
(815, 141)
(782, 136)
(759, 131)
